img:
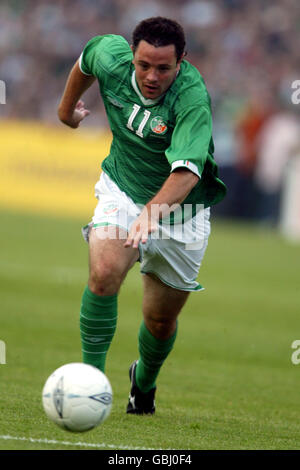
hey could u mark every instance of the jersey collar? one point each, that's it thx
(145, 101)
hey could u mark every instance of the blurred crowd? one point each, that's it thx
(247, 52)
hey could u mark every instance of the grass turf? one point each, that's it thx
(229, 382)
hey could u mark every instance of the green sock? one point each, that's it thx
(98, 321)
(153, 353)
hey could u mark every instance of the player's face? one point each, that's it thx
(155, 68)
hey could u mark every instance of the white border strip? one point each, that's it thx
(80, 66)
(69, 443)
(186, 164)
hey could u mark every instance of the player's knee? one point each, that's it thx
(104, 281)
(161, 329)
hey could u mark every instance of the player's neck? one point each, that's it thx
(145, 101)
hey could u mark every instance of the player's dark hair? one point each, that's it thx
(158, 32)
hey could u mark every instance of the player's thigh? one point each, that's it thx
(109, 261)
(161, 305)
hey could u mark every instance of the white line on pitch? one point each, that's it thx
(67, 443)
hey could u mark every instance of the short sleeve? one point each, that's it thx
(191, 139)
(88, 58)
(101, 52)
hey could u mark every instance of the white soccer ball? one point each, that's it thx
(77, 397)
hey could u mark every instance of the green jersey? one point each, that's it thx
(153, 137)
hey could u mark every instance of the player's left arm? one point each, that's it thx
(174, 191)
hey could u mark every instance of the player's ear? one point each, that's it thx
(179, 61)
(181, 58)
(132, 48)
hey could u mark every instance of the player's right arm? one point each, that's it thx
(71, 110)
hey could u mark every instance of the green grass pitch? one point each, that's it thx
(229, 382)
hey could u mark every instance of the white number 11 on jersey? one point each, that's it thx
(135, 110)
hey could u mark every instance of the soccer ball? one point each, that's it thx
(77, 397)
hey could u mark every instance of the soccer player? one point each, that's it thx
(160, 176)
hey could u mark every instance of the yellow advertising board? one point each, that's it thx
(50, 170)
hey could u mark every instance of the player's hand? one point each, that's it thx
(80, 112)
(140, 229)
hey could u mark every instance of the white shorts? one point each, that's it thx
(174, 253)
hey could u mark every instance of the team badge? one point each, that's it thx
(158, 126)
(110, 209)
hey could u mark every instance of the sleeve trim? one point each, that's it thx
(186, 164)
(80, 66)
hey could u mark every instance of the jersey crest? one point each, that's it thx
(158, 126)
